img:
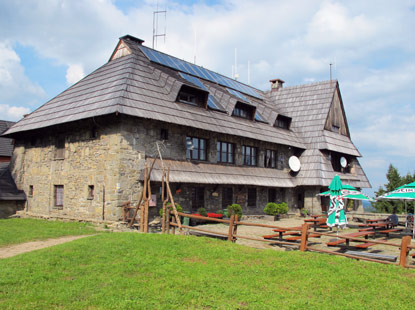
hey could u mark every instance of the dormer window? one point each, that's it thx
(283, 122)
(192, 96)
(243, 111)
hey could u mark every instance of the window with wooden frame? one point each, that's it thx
(58, 196)
(225, 152)
(252, 195)
(244, 111)
(198, 198)
(192, 96)
(91, 192)
(227, 197)
(283, 122)
(30, 191)
(60, 148)
(249, 155)
(196, 148)
(270, 159)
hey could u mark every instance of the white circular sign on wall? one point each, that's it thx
(343, 162)
(294, 163)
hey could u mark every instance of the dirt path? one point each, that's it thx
(16, 249)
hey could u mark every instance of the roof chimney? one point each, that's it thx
(276, 84)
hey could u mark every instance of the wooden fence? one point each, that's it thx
(232, 235)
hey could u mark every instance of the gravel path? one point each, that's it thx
(16, 249)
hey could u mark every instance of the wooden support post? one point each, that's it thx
(304, 237)
(173, 230)
(168, 220)
(163, 220)
(235, 228)
(146, 207)
(406, 240)
(176, 216)
(230, 232)
(144, 194)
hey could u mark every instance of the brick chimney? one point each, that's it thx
(276, 84)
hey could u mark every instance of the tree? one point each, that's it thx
(394, 180)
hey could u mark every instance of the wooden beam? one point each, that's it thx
(406, 240)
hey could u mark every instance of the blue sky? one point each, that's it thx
(46, 46)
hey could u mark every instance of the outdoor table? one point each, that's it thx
(316, 222)
(369, 221)
(316, 216)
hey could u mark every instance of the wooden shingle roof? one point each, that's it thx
(133, 85)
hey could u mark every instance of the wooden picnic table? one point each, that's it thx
(365, 234)
(282, 231)
(369, 221)
(378, 225)
(317, 222)
(314, 216)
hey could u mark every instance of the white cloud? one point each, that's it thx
(74, 74)
(12, 113)
(14, 85)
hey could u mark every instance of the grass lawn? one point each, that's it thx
(148, 271)
(17, 230)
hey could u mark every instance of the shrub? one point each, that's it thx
(235, 209)
(202, 211)
(219, 212)
(178, 208)
(282, 208)
(304, 211)
(270, 208)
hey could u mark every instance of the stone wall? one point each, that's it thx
(94, 156)
(108, 154)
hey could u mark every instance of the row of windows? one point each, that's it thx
(58, 194)
(195, 97)
(196, 149)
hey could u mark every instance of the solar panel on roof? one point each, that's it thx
(195, 70)
(212, 102)
(237, 94)
(259, 118)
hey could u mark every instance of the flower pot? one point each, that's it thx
(277, 217)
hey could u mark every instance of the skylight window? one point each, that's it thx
(283, 122)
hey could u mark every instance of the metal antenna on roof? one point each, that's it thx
(156, 14)
(195, 47)
(236, 76)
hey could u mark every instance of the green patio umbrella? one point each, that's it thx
(335, 215)
(405, 192)
(349, 192)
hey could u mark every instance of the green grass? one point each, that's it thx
(14, 231)
(147, 271)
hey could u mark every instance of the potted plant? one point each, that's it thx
(271, 209)
(178, 208)
(282, 208)
(304, 212)
(235, 209)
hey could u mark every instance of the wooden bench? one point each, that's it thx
(364, 245)
(390, 258)
(390, 231)
(366, 229)
(356, 234)
(299, 237)
(337, 242)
